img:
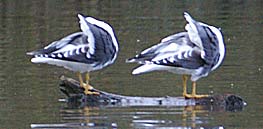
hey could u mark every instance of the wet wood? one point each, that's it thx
(76, 97)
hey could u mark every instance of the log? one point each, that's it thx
(76, 98)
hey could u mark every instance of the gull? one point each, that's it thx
(93, 48)
(193, 53)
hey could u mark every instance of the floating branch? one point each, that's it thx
(77, 98)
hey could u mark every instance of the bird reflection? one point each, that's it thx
(191, 112)
(190, 117)
(134, 117)
(88, 117)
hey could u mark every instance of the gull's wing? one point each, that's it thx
(90, 45)
(166, 48)
(187, 59)
(70, 40)
(208, 38)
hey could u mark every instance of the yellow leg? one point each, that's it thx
(87, 82)
(86, 85)
(80, 80)
(194, 88)
(194, 95)
(184, 85)
(87, 78)
(185, 78)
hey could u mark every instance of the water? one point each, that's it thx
(29, 93)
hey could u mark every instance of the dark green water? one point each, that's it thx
(29, 93)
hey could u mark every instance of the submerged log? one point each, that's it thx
(77, 98)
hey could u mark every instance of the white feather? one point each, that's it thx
(154, 67)
(203, 54)
(66, 54)
(83, 49)
(74, 66)
(193, 35)
(85, 28)
(78, 51)
(221, 45)
(170, 48)
(168, 38)
(185, 55)
(52, 55)
(171, 59)
(147, 68)
(179, 56)
(71, 52)
(59, 55)
(192, 30)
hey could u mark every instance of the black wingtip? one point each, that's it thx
(133, 59)
(130, 60)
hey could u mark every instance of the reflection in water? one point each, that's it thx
(146, 117)
(73, 125)
(189, 119)
(79, 118)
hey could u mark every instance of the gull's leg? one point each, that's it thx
(87, 82)
(86, 86)
(194, 95)
(89, 88)
(185, 78)
(80, 80)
